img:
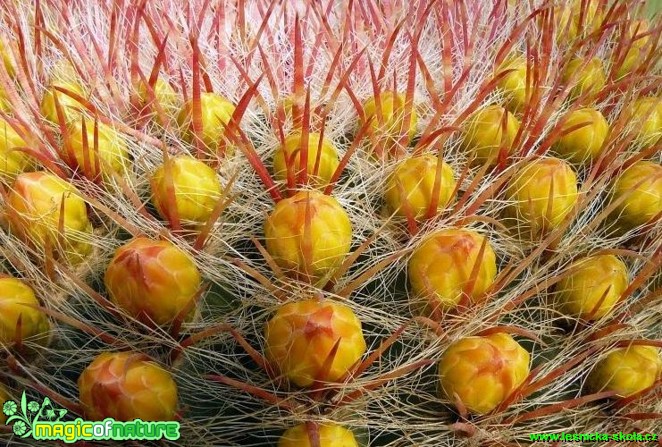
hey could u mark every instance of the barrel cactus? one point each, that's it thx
(331, 224)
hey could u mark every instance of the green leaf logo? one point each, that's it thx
(24, 415)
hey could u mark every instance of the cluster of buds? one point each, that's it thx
(584, 143)
(626, 371)
(20, 317)
(301, 340)
(416, 183)
(593, 287)
(216, 112)
(95, 148)
(195, 188)
(127, 386)
(322, 159)
(323, 435)
(543, 193)
(45, 210)
(485, 134)
(309, 234)
(483, 371)
(153, 281)
(440, 270)
(639, 190)
(13, 161)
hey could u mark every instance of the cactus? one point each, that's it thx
(338, 223)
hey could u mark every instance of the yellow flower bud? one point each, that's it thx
(390, 121)
(513, 85)
(330, 435)
(591, 79)
(70, 107)
(292, 150)
(152, 281)
(301, 335)
(7, 59)
(440, 268)
(543, 193)
(584, 143)
(411, 186)
(127, 386)
(483, 133)
(593, 287)
(317, 251)
(16, 301)
(626, 371)
(34, 204)
(110, 154)
(216, 114)
(12, 161)
(163, 93)
(634, 57)
(4, 397)
(572, 13)
(645, 118)
(483, 371)
(196, 187)
(641, 183)
(636, 30)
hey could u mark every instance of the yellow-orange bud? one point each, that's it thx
(593, 287)
(483, 371)
(584, 143)
(12, 160)
(645, 118)
(441, 267)
(483, 133)
(543, 194)
(68, 104)
(301, 336)
(591, 79)
(34, 205)
(196, 188)
(330, 435)
(513, 84)
(310, 251)
(410, 187)
(640, 186)
(626, 371)
(292, 151)
(110, 153)
(216, 112)
(163, 94)
(153, 281)
(389, 120)
(127, 386)
(17, 301)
